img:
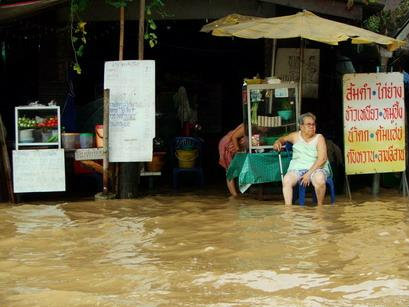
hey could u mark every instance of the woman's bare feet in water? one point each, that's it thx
(231, 185)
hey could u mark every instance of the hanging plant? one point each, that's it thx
(77, 31)
(154, 6)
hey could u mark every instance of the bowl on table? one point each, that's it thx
(285, 114)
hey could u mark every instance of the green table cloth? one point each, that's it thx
(253, 168)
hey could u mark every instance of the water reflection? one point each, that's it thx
(204, 251)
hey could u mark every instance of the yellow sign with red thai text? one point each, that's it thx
(374, 123)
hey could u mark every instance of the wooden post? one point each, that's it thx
(121, 32)
(141, 29)
(105, 161)
(129, 172)
(6, 161)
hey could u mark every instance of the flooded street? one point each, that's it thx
(205, 251)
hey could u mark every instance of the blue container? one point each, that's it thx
(285, 114)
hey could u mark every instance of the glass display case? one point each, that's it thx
(37, 127)
(269, 111)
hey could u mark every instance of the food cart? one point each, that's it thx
(270, 110)
(38, 160)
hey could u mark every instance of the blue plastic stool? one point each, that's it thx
(301, 192)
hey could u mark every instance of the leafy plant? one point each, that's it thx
(388, 21)
(151, 27)
(77, 31)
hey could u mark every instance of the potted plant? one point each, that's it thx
(158, 158)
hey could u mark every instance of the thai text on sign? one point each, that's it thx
(131, 87)
(374, 123)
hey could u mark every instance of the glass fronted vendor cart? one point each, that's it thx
(37, 127)
(270, 111)
(38, 160)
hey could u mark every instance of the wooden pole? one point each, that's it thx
(121, 57)
(105, 161)
(6, 161)
(129, 172)
(141, 29)
(121, 32)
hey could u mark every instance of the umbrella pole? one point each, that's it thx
(300, 73)
(273, 57)
(273, 65)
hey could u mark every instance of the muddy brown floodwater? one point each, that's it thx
(192, 250)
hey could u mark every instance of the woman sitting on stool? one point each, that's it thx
(309, 163)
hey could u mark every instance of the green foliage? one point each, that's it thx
(388, 21)
(78, 33)
(151, 27)
(373, 23)
(79, 6)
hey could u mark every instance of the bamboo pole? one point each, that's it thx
(121, 57)
(141, 29)
(121, 32)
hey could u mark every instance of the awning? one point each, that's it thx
(8, 12)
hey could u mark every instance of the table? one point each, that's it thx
(253, 168)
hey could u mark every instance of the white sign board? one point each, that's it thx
(89, 154)
(281, 92)
(40, 170)
(131, 110)
(374, 123)
(288, 68)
